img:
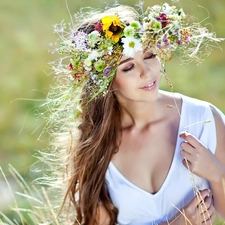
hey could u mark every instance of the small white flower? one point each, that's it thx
(80, 40)
(87, 68)
(130, 46)
(110, 50)
(93, 55)
(145, 26)
(181, 13)
(87, 62)
(155, 8)
(169, 10)
(93, 38)
(93, 77)
(94, 35)
(176, 24)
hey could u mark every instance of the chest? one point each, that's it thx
(144, 158)
(138, 207)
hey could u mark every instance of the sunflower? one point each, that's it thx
(112, 27)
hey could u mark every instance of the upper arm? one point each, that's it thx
(220, 135)
(102, 216)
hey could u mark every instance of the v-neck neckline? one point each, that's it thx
(173, 162)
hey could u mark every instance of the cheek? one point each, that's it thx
(157, 64)
(156, 69)
(118, 83)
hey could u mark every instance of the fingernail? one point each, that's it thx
(210, 193)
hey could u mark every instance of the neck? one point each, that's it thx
(141, 114)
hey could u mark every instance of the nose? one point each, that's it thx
(145, 69)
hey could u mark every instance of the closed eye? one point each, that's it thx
(128, 68)
(150, 56)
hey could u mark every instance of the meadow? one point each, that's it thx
(26, 32)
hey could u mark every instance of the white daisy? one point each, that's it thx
(130, 46)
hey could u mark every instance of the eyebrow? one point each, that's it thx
(125, 60)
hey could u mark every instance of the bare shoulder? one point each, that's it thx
(219, 121)
(220, 132)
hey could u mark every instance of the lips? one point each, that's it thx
(149, 85)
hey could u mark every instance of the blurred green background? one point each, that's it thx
(26, 31)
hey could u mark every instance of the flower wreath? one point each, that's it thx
(94, 52)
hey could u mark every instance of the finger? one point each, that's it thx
(201, 195)
(186, 155)
(191, 139)
(187, 164)
(208, 217)
(203, 208)
(187, 147)
(212, 218)
(207, 203)
(209, 210)
(208, 222)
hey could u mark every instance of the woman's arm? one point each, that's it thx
(206, 165)
(203, 163)
(102, 216)
(217, 182)
(199, 210)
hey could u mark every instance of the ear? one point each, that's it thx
(114, 84)
(114, 87)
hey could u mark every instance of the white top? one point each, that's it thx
(139, 207)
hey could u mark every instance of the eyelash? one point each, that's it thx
(151, 56)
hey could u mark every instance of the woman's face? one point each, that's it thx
(137, 78)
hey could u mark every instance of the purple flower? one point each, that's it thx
(166, 41)
(98, 26)
(80, 40)
(179, 42)
(70, 66)
(187, 40)
(159, 46)
(163, 19)
(107, 71)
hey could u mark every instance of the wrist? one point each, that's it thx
(179, 219)
(219, 175)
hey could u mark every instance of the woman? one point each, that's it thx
(136, 154)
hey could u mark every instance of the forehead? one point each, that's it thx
(136, 55)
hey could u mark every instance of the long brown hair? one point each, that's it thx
(88, 155)
(98, 141)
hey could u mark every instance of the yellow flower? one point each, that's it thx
(112, 27)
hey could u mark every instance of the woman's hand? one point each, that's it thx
(199, 211)
(197, 158)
